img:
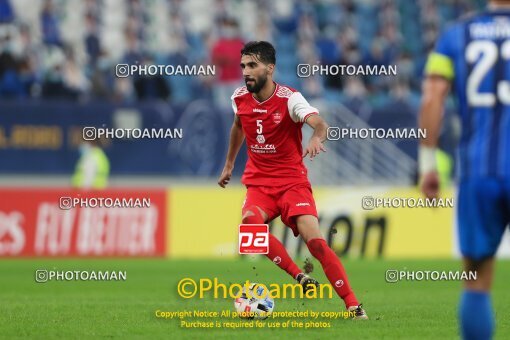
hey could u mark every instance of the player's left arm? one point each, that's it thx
(302, 112)
(316, 143)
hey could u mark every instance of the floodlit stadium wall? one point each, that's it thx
(202, 222)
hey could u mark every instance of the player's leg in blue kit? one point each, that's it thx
(483, 213)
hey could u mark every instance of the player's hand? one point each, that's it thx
(226, 174)
(430, 184)
(315, 146)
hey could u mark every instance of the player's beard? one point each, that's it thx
(258, 84)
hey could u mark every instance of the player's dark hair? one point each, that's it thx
(262, 50)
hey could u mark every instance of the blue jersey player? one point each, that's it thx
(473, 57)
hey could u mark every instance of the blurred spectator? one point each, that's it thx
(226, 54)
(93, 167)
(102, 78)
(92, 8)
(92, 44)
(26, 47)
(6, 13)
(392, 40)
(26, 77)
(34, 55)
(307, 29)
(133, 53)
(49, 23)
(151, 87)
(10, 83)
(327, 46)
(123, 90)
(64, 78)
(73, 75)
(377, 56)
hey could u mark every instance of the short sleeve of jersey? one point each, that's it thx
(440, 61)
(234, 106)
(299, 109)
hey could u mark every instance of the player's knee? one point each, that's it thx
(311, 235)
(483, 267)
(308, 227)
(476, 263)
(252, 215)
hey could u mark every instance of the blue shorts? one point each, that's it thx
(483, 213)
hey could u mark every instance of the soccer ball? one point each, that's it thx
(250, 306)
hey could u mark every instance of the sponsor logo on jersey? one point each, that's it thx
(259, 110)
(261, 139)
(277, 117)
(265, 148)
(302, 204)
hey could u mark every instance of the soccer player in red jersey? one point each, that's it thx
(270, 116)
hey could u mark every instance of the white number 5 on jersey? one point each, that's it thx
(259, 126)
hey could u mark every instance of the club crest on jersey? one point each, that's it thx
(277, 117)
(261, 139)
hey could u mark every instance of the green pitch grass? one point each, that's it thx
(78, 309)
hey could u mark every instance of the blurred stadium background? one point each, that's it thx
(58, 58)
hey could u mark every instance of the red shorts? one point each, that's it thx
(288, 201)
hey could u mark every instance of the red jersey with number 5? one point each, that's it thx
(273, 135)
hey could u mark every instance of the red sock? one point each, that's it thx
(278, 254)
(333, 269)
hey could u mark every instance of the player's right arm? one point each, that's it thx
(435, 91)
(439, 74)
(235, 142)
